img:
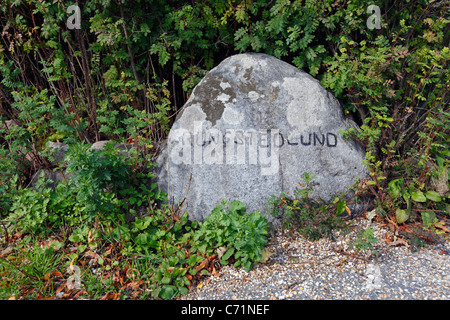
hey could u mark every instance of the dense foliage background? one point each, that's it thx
(131, 66)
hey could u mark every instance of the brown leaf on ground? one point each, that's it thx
(17, 236)
(202, 265)
(6, 252)
(41, 297)
(212, 257)
(399, 242)
(110, 296)
(134, 284)
(441, 225)
(74, 294)
(214, 272)
(57, 274)
(266, 255)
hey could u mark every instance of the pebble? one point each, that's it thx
(301, 269)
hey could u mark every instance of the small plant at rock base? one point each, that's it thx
(365, 240)
(311, 218)
(241, 234)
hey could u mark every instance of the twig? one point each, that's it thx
(350, 255)
(295, 283)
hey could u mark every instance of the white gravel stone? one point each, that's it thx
(302, 271)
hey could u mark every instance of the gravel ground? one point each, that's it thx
(302, 270)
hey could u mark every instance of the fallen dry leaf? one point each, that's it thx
(170, 269)
(371, 214)
(202, 265)
(41, 297)
(91, 254)
(110, 296)
(17, 236)
(74, 293)
(57, 274)
(90, 236)
(266, 255)
(135, 284)
(221, 251)
(441, 225)
(61, 288)
(71, 268)
(132, 273)
(348, 210)
(6, 252)
(212, 257)
(214, 272)
(399, 242)
(341, 262)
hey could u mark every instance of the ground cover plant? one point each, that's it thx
(78, 234)
(123, 75)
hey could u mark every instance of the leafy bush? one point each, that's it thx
(30, 208)
(105, 203)
(398, 84)
(240, 236)
(97, 176)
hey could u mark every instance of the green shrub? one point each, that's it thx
(365, 240)
(97, 176)
(241, 234)
(30, 209)
(311, 218)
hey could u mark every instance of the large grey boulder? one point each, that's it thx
(250, 129)
(59, 152)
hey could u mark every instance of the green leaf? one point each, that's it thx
(401, 215)
(75, 238)
(418, 196)
(428, 218)
(202, 248)
(340, 207)
(248, 265)
(433, 196)
(165, 280)
(395, 186)
(168, 292)
(141, 238)
(228, 254)
(56, 245)
(236, 206)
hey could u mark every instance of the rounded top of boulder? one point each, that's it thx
(281, 91)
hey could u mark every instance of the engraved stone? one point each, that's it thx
(250, 129)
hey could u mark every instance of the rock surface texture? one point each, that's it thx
(250, 129)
